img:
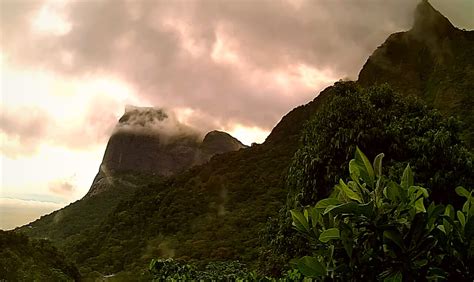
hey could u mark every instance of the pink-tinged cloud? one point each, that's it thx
(234, 63)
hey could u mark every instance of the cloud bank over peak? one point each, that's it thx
(245, 62)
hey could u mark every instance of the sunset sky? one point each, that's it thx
(69, 68)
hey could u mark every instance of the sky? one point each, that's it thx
(69, 69)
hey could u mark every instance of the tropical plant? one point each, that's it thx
(376, 229)
(379, 120)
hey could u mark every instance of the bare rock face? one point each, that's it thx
(218, 142)
(148, 140)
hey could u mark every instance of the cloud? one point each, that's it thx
(20, 130)
(23, 130)
(229, 63)
(234, 61)
(63, 188)
(149, 120)
(17, 212)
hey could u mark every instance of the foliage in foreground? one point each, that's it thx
(378, 120)
(23, 259)
(374, 228)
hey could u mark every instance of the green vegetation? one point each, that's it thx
(434, 63)
(239, 211)
(169, 269)
(192, 216)
(23, 259)
(64, 225)
(378, 120)
(376, 229)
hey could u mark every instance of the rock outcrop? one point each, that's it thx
(148, 140)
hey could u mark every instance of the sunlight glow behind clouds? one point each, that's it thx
(68, 68)
(50, 19)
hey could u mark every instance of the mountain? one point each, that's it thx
(210, 211)
(216, 210)
(434, 61)
(148, 140)
(148, 144)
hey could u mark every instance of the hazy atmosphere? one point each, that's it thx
(70, 68)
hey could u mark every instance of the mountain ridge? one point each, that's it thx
(215, 211)
(432, 60)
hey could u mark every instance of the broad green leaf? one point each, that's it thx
(407, 178)
(378, 164)
(349, 192)
(329, 234)
(468, 206)
(418, 190)
(395, 237)
(419, 206)
(449, 211)
(354, 170)
(324, 203)
(299, 221)
(395, 277)
(461, 191)
(311, 267)
(314, 216)
(461, 218)
(352, 208)
(366, 172)
(441, 227)
(393, 192)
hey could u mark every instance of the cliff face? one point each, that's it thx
(433, 60)
(147, 140)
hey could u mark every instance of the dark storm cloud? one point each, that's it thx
(168, 49)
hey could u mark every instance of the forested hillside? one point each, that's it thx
(23, 259)
(434, 61)
(412, 102)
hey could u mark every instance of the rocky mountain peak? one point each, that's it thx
(150, 140)
(429, 22)
(219, 142)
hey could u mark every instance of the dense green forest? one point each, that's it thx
(307, 202)
(24, 259)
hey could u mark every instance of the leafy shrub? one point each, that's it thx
(374, 228)
(379, 120)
